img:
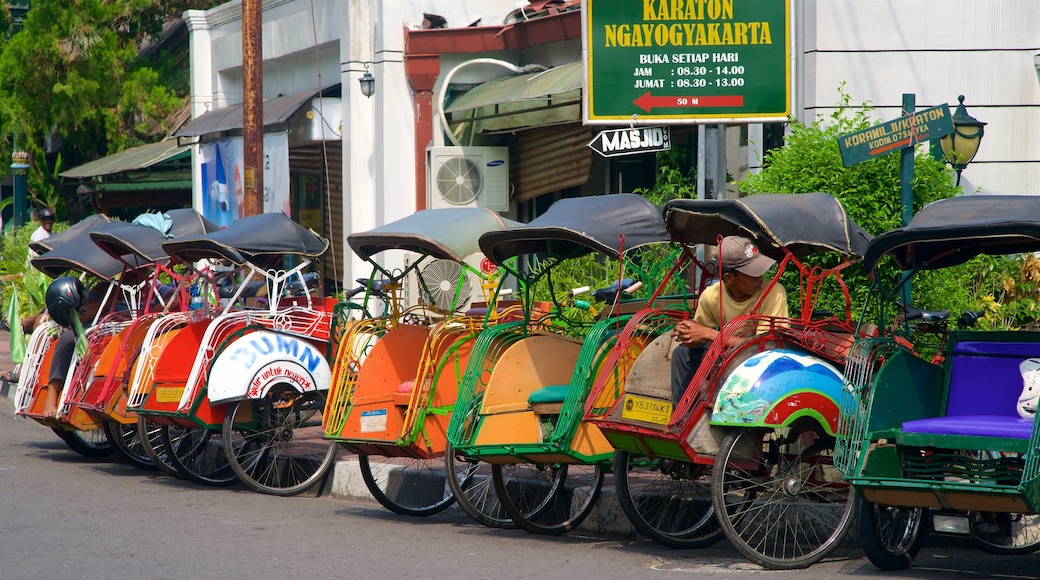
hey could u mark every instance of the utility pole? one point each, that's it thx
(252, 106)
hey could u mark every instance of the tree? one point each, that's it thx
(75, 70)
(810, 161)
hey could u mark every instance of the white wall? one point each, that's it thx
(937, 50)
(310, 44)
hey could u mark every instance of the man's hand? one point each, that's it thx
(693, 335)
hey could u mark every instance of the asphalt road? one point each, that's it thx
(63, 516)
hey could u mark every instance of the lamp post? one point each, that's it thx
(368, 83)
(960, 147)
(19, 158)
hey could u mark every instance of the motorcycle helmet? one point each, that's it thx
(45, 214)
(65, 295)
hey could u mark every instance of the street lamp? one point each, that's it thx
(960, 147)
(368, 83)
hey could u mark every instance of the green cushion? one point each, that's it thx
(550, 394)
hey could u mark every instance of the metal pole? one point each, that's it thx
(906, 164)
(19, 159)
(20, 171)
(252, 107)
(906, 180)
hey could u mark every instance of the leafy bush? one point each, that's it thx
(30, 282)
(870, 191)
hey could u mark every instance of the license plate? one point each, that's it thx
(647, 410)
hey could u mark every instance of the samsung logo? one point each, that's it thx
(495, 163)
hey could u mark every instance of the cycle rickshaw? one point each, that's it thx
(90, 417)
(236, 393)
(521, 400)
(392, 406)
(942, 434)
(747, 449)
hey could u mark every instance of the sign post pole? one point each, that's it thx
(906, 165)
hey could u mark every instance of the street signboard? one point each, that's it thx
(699, 61)
(617, 142)
(890, 136)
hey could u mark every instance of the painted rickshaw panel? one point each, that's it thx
(528, 365)
(254, 359)
(172, 370)
(376, 410)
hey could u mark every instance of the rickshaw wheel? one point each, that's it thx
(151, 442)
(891, 536)
(199, 456)
(89, 443)
(474, 489)
(124, 438)
(668, 501)
(778, 497)
(407, 486)
(548, 499)
(276, 445)
(1005, 534)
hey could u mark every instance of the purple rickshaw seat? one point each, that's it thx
(983, 391)
(1003, 426)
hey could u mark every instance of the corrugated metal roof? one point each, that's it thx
(560, 81)
(130, 159)
(276, 110)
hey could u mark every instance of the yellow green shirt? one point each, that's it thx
(775, 304)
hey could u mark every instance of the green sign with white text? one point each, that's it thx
(890, 136)
(699, 61)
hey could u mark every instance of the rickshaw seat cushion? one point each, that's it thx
(1002, 426)
(550, 394)
(985, 378)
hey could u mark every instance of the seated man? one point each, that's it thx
(66, 297)
(743, 268)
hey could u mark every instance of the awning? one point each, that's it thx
(276, 111)
(132, 159)
(536, 99)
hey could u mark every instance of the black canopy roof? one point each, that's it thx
(576, 226)
(804, 223)
(146, 243)
(81, 254)
(256, 239)
(84, 225)
(952, 231)
(446, 233)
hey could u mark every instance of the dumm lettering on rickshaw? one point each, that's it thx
(266, 344)
(253, 362)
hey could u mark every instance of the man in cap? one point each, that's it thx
(738, 290)
(46, 217)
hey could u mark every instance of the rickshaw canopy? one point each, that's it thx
(576, 226)
(952, 231)
(446, 233)
(80, 254)
(803, 223)
(145, 243)
(54, 241)
(254, 239)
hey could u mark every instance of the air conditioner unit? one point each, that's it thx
(467, 177)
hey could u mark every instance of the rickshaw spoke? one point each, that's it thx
(407, 486)
(276, 445)
(669, 501)
(781, 506)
